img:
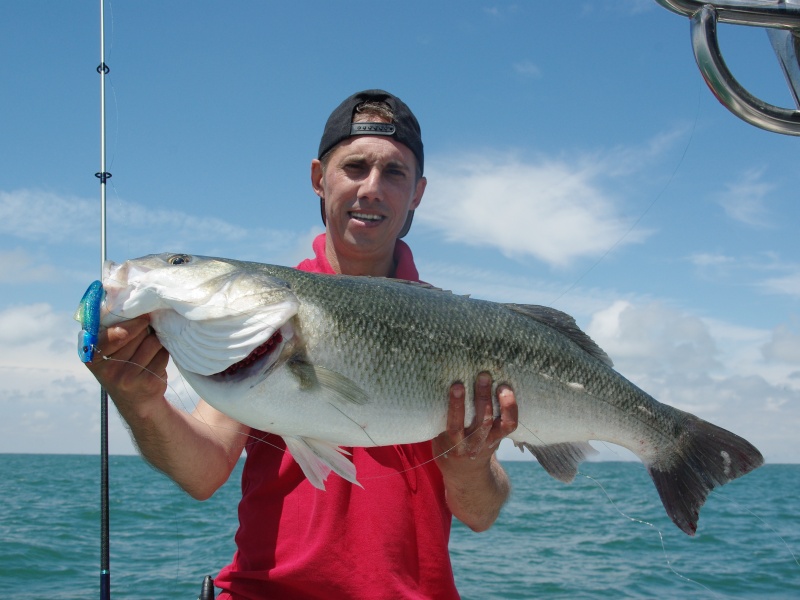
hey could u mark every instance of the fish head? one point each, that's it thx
(211, 314)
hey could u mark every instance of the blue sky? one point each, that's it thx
(575, 159)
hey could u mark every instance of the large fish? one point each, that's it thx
(328, 361)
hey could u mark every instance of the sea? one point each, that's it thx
(603, 536)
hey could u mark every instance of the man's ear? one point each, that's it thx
(421, 184)
(317, 174)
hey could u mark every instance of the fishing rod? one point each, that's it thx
(103, 176)
(90, 320)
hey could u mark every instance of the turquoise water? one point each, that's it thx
(551, 541)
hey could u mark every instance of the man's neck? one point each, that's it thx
(343, 265)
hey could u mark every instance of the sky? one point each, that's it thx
(574, 157)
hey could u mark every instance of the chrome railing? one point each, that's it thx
(781, 18)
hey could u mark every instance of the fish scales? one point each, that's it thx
(360, 361)
(440, 348)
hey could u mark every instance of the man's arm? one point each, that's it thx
(199, 450)
(475, 483)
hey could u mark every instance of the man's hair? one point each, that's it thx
(364, 113)
(371, 109)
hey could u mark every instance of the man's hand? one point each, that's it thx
(131, 364)
(475, 483)
(480, 439)
(199, 450)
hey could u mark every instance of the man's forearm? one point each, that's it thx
(198, 451)
(475, 496)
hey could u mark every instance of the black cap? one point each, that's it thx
(404, 128)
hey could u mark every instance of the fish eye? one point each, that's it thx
(179, 259)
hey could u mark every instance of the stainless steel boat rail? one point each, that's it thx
(781, 18)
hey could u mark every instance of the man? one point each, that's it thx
(389, 539)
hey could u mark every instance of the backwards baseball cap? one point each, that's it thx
(404, 127)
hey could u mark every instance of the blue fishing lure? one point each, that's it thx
(88, 315)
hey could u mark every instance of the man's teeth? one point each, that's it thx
(365, 217)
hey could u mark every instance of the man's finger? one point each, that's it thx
(506, 423)
(483, 398)
(455, 417)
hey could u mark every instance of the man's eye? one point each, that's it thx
(353, 167)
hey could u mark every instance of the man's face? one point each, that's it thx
(369, 185)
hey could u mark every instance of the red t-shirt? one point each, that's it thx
(388, 540)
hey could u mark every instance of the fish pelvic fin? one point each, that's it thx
(318, 458)
(708, 456)
(560, 460)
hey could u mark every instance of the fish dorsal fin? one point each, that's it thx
(563, 323)
(415, 284)
(421, 284)
(318, 458)
(337, 385)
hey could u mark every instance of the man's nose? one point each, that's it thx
(370, 187)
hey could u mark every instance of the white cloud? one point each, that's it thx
(40, 216)
(528, 69)
(24, 325)
(711, 260)
(788, 285)
(49, 402)
(554, 210)
(49, 218)
(654, 340)
(19, 267)
(709, 368)
(744, 200)
(784, 346)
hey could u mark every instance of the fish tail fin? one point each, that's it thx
(708, 456)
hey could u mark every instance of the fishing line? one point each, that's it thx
(240, 313)
(660, 535)
(261, 439)
(763, 522)
(197, 417)
(187, 389)
(113, 90)
(426, 462)
(200, 418)
(641, 216)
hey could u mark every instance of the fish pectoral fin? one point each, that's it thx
(340, 387)
(560, 460)
(318, 458)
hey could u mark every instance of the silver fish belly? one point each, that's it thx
(329, 361)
